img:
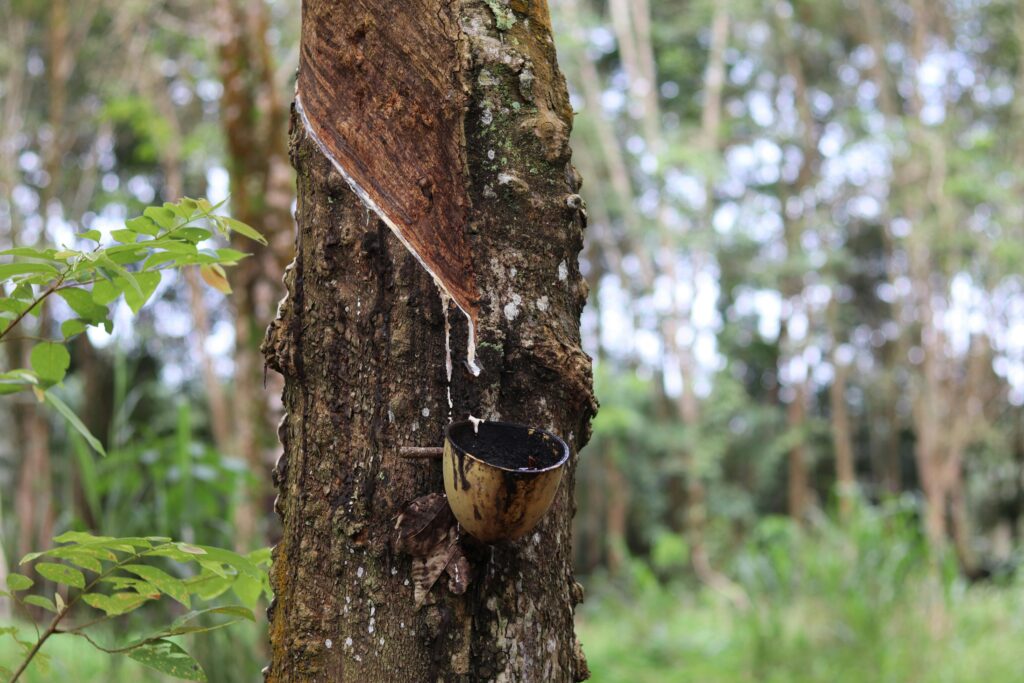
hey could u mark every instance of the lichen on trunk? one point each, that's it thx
(361, 342)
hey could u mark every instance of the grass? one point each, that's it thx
(863, 605)
(671, 634)
(670, 637)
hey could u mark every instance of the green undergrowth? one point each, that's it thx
(862, 605)
(235, 655)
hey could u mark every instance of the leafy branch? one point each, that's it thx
(172, 236)
(167, 237)
(119, 563)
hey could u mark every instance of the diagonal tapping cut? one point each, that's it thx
(391, 124)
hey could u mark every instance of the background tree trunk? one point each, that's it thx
(255, 125)
(360, 340)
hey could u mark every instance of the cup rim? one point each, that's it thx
(462, 451)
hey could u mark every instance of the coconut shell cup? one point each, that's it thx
(501, 477)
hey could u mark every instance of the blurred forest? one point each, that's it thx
(805, 253)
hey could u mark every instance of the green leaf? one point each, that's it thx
(178, 209)
(159, 258)
(168, 658)
(173, 553)
(100, 546)
(215, 567)
(93, 235)
(193, 235)
(73, 420)
(15, 306)
(147, 282)
(81, 302)
(73, 327)
(176, 247)
(19, 582)
(31, 556)
(164, 582)
(163, 217)
(130, 543)
(61, 573)
(80, 537)
(143, 225)
(116, 604)
(125, 236)
(240, 563)
(78, 557)
(123, 254)
(50, 361)
(137, 585)
(230, 255)
(209, 585)
(190, 549)
(242, 229)
(30, 252)
(109, 263)
(248, 589)
(106, 291)
(261, 556)
(9, 270)
(40, 601)
(101, 551)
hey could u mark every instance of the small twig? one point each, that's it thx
(421, 452)
(53, 629)
(49, 290)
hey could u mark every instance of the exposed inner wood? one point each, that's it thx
(400, 147)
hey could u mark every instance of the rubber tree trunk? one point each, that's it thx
(360, 340)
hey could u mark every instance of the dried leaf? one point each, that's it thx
(426, 570)
(423, 524)
(215, 276)
(459, 571)
(420, 581)
(427, 530)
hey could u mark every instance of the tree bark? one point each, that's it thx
(360, 340)
(798, 484)
(846, 478)
(842, 437)
(797, 481)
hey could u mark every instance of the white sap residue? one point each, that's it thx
(476, 423)
(368, 201)
(447, 350)
(471, 348)
(447, 336)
